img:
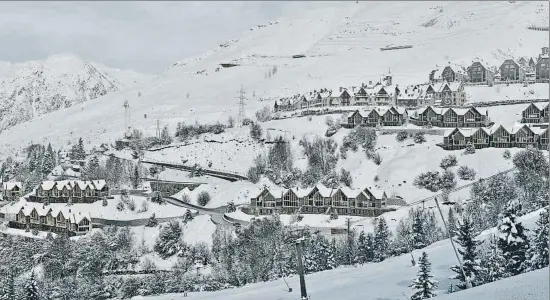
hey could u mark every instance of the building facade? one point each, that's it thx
(378, 116)
(450, 117)
(498, 137)
(366, 202)
(74, 191)
(535, 113)
(12, 191)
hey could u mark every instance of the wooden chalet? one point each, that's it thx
(535, 113)
(448, 74)
(378, 116)
(450, 94)
(75, 191)
(361, 97)
(478, 72)
(320, 200)
(542, 70)
(11, 191)
(56, 218)
(498, 137)
(451, 117)
(512, 70)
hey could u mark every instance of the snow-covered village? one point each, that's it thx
(382, 150)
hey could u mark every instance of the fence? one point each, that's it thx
(506, 102)
(538, 28)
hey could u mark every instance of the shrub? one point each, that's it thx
(104, 202)
(34, 231)
(430, 181)
(466, 173)
(376, 158)
(448, 162)
(345, 177)
(167, 243)
(376, 178)
(255, 131)
(120, 205)
(253, 174)
(264, 114)
(401, 136)
(470, 149)
(156, 197)
(185, 198)
(131, 204)
(144, 206)
(419, 138)
(152, 221)
(230, 122)
(506, 154)
(203, 198)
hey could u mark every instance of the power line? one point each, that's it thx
(241, 97)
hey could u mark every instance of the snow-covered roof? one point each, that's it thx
(349, 192)
(99, 184)
(378, 194)
(47, 185)
(301, 192)
(57, 171)
(8, 186)
(323, 190)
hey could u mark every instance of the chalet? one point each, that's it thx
(58, 218)
(321, 200)
(410, 97)
(535, 113)
(383, 95)
(478, 72)
(451, 117)
(74, 191)
(11, 191)
(523, 62)
(498, 137)
(448, 74)
(427, 95)
(361, 97)
(345, 98)
(378, 116)
(542, 70)
(450, 94)
(512, 70)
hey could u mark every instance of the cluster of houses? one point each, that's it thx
(498, 136)
(58, 218)
(510, 70)
(368, 202)
(380, 93)
(46, 207)
(535, 113)
(445, 86)
(427, 116)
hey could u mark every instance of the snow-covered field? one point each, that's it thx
(502, 92)
(387, 280)
(341, 41)
(221, 193)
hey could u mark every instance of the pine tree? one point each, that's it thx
(465, 237)
(152, 221)
(48, 161)
(424, 285)
(7, 291)
(418, 232)
(512, 240)
(81, 153)
(165, 137)
(188, 216)
(31, 289)
(382, 236)
(361, 256)
(135, 178)
(451, 221)
(331, 260)
(494, 264)
(540, 257)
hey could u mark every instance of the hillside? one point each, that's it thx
(341, 42)
(34, 88)
(388, 280)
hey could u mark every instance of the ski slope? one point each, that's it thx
(387, 280)
(341, 41)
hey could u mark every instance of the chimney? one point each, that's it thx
(544, 50)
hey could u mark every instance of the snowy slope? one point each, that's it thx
(34, 88)
(387, 280)
(341, 42)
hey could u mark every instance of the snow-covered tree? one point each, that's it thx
(451, 221)
(188, 216)
(361, 256)
(430, 181)
(382, 239)
(466, 173)
(31, 288)
(512, 239)
(345, 177)
(203, 198)
(419, 138)
(165, 137)
(48, 160)
(506, 154)
(231, 207)
(489, 198)
(470, 149)
(418, 234)
(255, 131)
(424, 286)
(532, 177)
(136, 181)
(167, 243)
(153, 222)
(465, 237)
(540, 242)
(493, 264)
(448, 161)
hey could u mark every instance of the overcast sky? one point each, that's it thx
(144, 36)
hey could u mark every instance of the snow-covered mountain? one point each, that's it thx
(33, 88)
(341, 42)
